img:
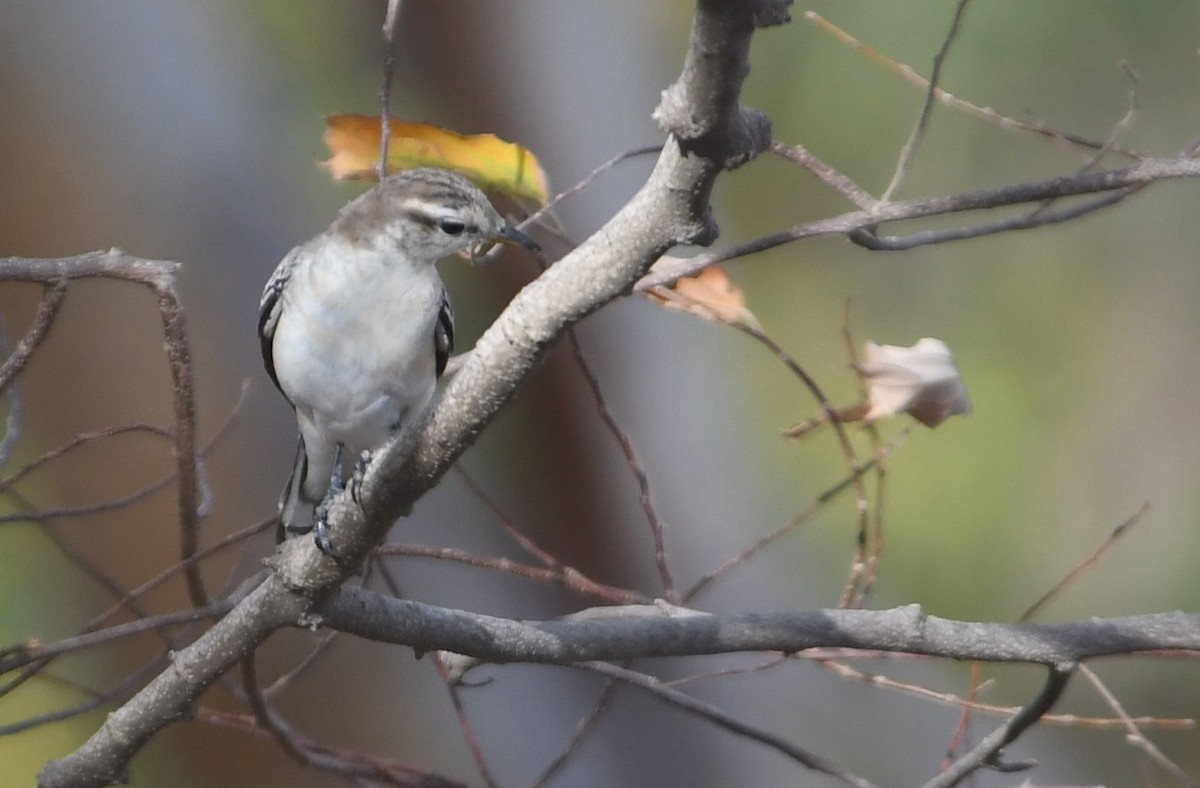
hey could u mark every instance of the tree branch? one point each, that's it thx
(640, 631)
(160, 277)
(1146, 172)
(671, 208)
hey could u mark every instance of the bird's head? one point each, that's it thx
(427, 214)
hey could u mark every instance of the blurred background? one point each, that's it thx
(192, 132)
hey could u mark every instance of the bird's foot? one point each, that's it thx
(336, 484)
(357, 476)
(320, 529)
(321, 521)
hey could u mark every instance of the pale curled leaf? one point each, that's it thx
(710, 295)
(922, 381)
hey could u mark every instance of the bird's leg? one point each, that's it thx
(356, 476)
(336, 486)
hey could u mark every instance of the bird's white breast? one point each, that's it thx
(354, 344)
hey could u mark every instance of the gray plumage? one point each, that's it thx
(355, 324)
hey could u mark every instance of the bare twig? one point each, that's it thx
(711, 713)
(798, 154)
(1116, 182)
(391, 23)
(1134, 734)
(792, 523)
(1086, 563)
(159, 276)
(43, 319)
(81, 439)
(14, 657)
(561, 575)
(837, 664)
(987, 752)
(115, 693)
(587, 723)
(570, 576)
(588, 179)
(931, 92)
(346, 763)
(657, 526)
(985, 113)
(268, 719)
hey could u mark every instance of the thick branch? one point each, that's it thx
(639, 631)
(671, 208)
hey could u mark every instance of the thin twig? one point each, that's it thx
(710, 713)
(82, 439)
(268, 719)
(460, 710)
(634, 463)
(931, 92)
(116, 693)
(350, 764)
(1031, 220)
(763, 541)
(862, 503)
(12, 422)
(987, 752)
(587, 723)
(43, 319)
(1134, 734)
(562, 576)
(985, 113)
(866, 582)
(839, 181)
(572, 576)
(588, 179)
(391, 23)
(1086, 563)
(192, 506)
(14, 657)
(1117, 184)
(827, 658)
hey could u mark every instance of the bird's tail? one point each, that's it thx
(296, 510)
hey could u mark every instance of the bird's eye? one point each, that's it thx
(451, 226)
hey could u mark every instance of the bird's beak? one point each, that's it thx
(511, 235)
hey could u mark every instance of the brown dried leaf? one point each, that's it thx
(710, 295)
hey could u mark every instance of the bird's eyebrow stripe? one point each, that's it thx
(419, 211)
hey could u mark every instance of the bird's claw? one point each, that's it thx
(357, 476)
(321, 530)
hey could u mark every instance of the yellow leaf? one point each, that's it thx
(709, 294)
(490, 162)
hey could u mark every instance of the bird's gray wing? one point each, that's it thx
(443, 334)
(269, 309)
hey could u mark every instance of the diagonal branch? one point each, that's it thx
(987, 752)
(708, 132)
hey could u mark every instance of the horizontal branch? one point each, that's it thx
(639, 631)
(1145, 172)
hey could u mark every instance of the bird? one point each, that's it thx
(356, 326)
